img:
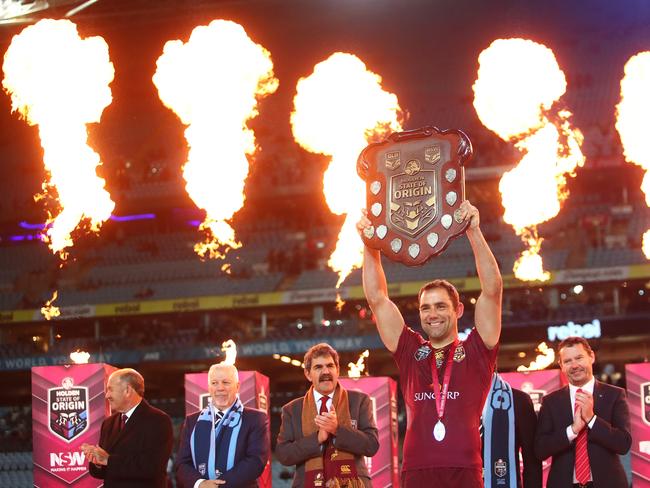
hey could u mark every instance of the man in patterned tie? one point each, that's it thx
(326, 433)
(583, 426)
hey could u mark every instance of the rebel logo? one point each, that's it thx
(67, 408)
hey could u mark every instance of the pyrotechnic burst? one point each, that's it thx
(60, 82)
(213, 83)
(229, 348)
(631, 122)
(79, 357)
(518, 83)
(338, 110)
(543, 360)
(355, 369)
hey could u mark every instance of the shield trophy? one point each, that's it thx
(415, 184)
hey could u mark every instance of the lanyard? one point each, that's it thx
(441, 397)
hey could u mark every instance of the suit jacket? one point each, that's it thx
(139, 453)
(294, 449)
(525, 425)
(251, 453)
(609, 437)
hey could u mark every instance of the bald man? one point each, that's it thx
(135, 441)
(225, 443)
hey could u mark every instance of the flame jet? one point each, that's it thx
(518, 83)
(338, 110)
(213, 83)
(631, 122)
(60, 82)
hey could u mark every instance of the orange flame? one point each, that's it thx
(631, 116)
(80, 357)
(214, 83)
(338, 110)
(355, 369)
(518, 83)
(60, 82)
(49, 310)
(543, 360)
(229, 348)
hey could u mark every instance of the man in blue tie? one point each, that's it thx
(225, 443)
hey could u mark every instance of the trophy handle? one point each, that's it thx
(464, 144)
(464, 150)
(414, 133)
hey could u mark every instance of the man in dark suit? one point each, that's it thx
(135, 442)
(326, 433)
(501, 398)
(225, 443)
(584, 426)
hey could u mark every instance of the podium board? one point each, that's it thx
(638, 400)
(382, 390)
(68, 408)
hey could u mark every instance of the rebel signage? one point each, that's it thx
(590, 330)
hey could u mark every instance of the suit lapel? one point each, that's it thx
(567, 409)
(599, 396)
(114, 431)
(130, 424)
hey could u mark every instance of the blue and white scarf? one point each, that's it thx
(213, 446)
(500, 461)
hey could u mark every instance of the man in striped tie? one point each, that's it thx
(225, 443)
(583, 426)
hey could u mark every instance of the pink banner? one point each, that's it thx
(253, 392)
(537, 384)
(383, 466)
(68, 408)
(638, 399)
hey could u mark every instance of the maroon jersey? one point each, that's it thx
(469, 384)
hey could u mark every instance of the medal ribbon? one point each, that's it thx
(441, 397)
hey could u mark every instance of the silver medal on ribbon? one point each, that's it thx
(439, 431)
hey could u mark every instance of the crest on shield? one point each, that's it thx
(67, 408)
(412, 198)
(414, 188)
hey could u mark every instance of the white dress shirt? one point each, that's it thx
(318, 396)
(130, 412)
(589, 388)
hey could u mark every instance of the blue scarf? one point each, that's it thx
(213, 446)
(500, 462)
